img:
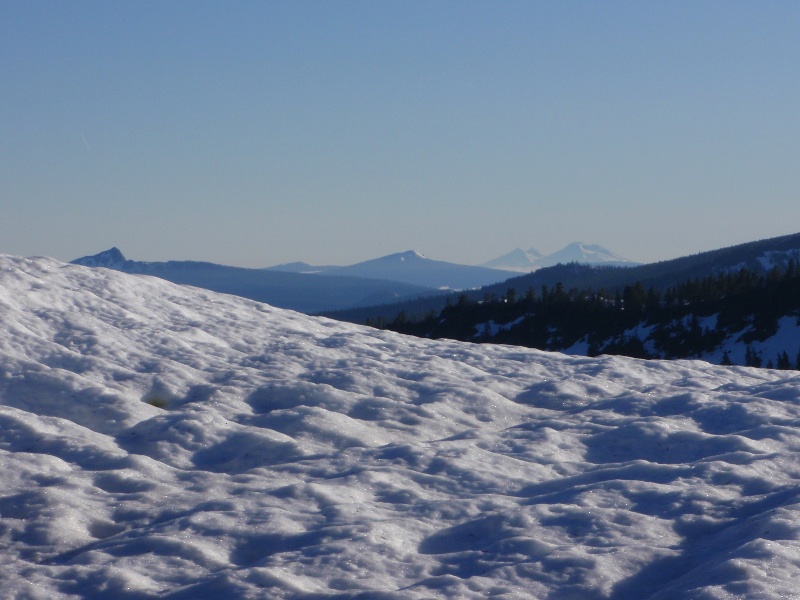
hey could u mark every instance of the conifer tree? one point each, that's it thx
(751, 357)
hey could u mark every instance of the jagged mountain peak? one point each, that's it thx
(111, 258)
(518, 260)
(533, 252)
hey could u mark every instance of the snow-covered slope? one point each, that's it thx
(526, 261)
(159, 441)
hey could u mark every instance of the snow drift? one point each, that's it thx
(160, 441)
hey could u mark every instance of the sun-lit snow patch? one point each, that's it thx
(491, 329)
(787, 335)
(579, 348)
(780, 258)
(159, 441)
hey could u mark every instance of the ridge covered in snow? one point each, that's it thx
(159, 441)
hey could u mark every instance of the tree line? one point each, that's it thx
(681, 321)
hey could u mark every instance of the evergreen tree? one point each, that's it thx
(634, 297)
(751, 357)
(653, 301)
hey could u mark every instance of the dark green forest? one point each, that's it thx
(700, 315)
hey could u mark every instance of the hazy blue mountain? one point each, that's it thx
(414, 268)
(408, 267)
(526, 261)
(302, 292)
(110, 259)
(587, 254)
(299, 267)
(518, 260)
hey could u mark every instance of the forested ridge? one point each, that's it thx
(728, 314)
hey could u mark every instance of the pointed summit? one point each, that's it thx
(519, 260)
(412, 267)
(111, 259)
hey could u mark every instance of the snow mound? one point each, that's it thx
(160, 441)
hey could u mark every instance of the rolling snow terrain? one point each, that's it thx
(160, 441)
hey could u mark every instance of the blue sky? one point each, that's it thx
(256, 133)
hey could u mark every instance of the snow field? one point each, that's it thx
(159, 441)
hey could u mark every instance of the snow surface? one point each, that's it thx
(160, 441)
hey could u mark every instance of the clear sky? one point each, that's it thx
(257, 133)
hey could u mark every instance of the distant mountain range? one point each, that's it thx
(736, 304)
(759, 256)
(324, 289)
(526, 261)
(409, 267)
(296, 291)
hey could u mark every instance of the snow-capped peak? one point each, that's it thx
(526, 261)
(581, 252)
(408, 255)
(519, 260)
